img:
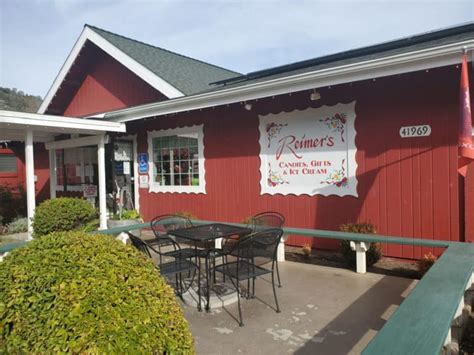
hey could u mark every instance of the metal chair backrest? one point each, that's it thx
(267, 219)
(261, 246)
(161, 225)
(147, 249)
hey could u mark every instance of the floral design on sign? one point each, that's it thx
(274, 179)
(273, 129)
(337, 177)
(336, 123)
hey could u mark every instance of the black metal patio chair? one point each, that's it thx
(249, 254)
(176, 267)
(265, 220)
(161, 225)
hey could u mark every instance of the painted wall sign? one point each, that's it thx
(143, 163)
(123, 151)
(309, 152)
(415, 131)
(89, 191)
(143, 182)
(126, 167)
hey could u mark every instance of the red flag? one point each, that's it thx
(465, 144)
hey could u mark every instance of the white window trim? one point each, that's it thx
(153, 186)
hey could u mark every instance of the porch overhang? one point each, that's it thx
(45, 127)
(31, 127)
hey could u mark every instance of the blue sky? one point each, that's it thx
(37, 35)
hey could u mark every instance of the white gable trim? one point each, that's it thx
(87, 34)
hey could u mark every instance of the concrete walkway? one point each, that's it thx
(324, 311)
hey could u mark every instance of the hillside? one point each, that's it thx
(17, 100)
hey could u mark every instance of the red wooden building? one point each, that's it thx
(364, 135)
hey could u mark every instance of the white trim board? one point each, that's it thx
(144, 73)
(391, 65)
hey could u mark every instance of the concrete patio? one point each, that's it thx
(324, 310)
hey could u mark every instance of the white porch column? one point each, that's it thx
(52, 173)
(30, 180)
(101, 168)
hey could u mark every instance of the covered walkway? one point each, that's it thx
(48, 129)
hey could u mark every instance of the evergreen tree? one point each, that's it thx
(17, 100)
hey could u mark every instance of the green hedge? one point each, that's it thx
(62, 214)
(84, 293)
(373, 254)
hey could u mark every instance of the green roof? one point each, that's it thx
(186, 74)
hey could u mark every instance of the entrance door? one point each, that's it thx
(121, 173)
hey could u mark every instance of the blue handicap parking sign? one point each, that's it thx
(143, 162)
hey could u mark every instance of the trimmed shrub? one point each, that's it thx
(426, 262)
(373, 254)
(18, 225)
(86, 293)
(62, 214)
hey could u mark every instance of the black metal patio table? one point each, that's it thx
(206, 233)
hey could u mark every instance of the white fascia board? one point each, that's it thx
(392, 65)
(145, 74)
(44, 122)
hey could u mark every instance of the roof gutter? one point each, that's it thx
(391, 65)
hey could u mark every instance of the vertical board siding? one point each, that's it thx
(41, 161)
(107, 86)
(406, 187)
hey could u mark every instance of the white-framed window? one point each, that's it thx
(74, 168)
(8, 163)
(176, 160)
